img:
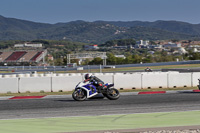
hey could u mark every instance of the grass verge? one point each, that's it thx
(100, 123)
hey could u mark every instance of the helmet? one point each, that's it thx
(87, 76)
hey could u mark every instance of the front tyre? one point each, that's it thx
(79, 95)
(112, 94)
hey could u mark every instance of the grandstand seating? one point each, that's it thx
(16, 56)
(36, 56)
(28, 56)
(5, 55)
(22, 56)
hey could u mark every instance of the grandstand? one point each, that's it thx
(28, 56)
(19, 57)
(15, 56)
(4, 55)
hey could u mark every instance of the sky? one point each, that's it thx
(55, 11)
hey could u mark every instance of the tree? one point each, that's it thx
(194, 56)
(58, 62)
(121, 42)
(119, 60)
(111, 59)
(148, 59)
(137, 58)
(96, 61)
(128, 59)
(86, 62)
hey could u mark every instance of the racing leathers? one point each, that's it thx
(99, 84)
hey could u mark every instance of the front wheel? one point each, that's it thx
(79, 95)
(112, 94)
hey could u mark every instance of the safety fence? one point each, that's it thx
(19, 83)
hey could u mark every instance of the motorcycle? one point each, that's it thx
(86, 89)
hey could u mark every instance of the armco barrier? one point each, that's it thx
(179, 79)
(127, 81)
(154, 80)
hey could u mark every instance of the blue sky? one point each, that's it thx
(54, 11)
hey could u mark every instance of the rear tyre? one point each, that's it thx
(79, 95)
(112, 94)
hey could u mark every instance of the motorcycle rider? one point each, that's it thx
(99, 84)
(148, 69)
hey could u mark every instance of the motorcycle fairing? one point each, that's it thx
(87, 88)
(109, 85)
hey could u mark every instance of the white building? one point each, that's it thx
(172, 45)
(34, 45)
(143, 43)
(181, 50)
(120, 56)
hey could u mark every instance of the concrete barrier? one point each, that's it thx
(34, 84)
(128, 81)
(195, 77)
(154, 80)
(179, 80)
(65, 83)
(106, 77)
(27, 75)
(9, 85)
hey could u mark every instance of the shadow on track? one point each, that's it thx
(90, 99)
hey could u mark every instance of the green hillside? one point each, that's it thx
(96, 32)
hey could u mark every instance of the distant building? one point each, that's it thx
(34, 45)
(119, 47)
(172, 45)
(130, 47)
(143, 43)
(150, 52)
(50, 57)
(157, 46)
(120, 56)
(181, 50)
(194, 46)
(91, 47)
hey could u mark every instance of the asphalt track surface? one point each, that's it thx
(127, 104)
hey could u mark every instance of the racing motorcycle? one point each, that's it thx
(86, 89)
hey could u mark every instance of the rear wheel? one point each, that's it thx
(112, 94)
(79, 95)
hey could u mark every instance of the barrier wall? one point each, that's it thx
(195, 77)
(67, 82)
(34, 84)
(179, 79)
(9, 85)
(105, 77)
(154, 80)
(128, 81)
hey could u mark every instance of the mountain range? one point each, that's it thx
(97, 31)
